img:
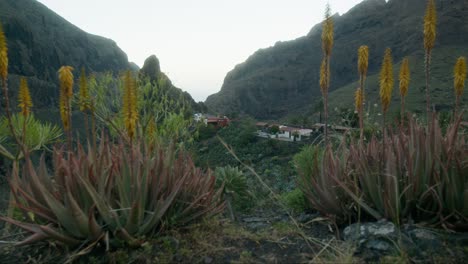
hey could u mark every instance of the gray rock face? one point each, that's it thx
(377, 239)
(375, 236)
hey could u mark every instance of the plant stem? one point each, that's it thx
(93, 132)
(402, 111)
(427, 63)
(325, 97)
(10, 209)
(361, 108)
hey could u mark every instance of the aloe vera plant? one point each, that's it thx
(414, 173)
(119, 192)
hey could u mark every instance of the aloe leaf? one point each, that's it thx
(161, 208)
(63, 214)
(94, 228)
(4, 152)
(101, 205)
(78, 214)
(68, 240)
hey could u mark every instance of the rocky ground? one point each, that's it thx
(268, 236)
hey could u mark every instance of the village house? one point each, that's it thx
(217, 121)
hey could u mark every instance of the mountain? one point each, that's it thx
(284, 79)
(40, 41)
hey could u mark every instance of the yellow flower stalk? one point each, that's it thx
(430, 21)
(66, 80)
(327, 32)
(363, 60)
(3, 55)
(323, 77)
(24, 98)
(459, 78)
(363, 64)
(404, 78)
(430, 32)
(327, 45)
(66, 93)
(358, 99)
(84, 98)
(129, 109)
(386, 80)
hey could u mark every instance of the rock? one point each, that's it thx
(375, 236)
(255, 219)
(304, 217)
(356, 232)
(207, 260)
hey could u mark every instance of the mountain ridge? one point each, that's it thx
(283, 79)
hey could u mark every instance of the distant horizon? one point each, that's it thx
(197, 43)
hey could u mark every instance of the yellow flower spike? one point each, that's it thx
(430, 21)
(24, 98)
(327, 32)
(64, 111)
(3, 55)
(358, 99)
(363, 60)
(129, 108)
(66, 80)
(459, 76)
(404, 77)
(66, 93)
(84, 99)
(323, 77)
(386, 80)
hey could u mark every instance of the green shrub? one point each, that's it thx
(295, 200)
(235, 187)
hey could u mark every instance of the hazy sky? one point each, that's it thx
(196, 41)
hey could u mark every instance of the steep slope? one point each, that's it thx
(283, 79)
(40, 41)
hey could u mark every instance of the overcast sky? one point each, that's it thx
(197, 41)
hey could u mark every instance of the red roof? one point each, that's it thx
(290, 129)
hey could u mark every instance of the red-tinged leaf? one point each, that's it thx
(102, 206)
(124, 235)
(37, 211)
(161, 209)
(36, 237)
(33, 228)
(56, 235)
(133, 217)
(32, 202)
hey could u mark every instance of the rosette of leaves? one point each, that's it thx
(113, 194)
(235, 188)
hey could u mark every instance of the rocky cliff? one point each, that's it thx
(40, 41)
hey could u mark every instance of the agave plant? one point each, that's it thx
(414, 173)
(117, 192)
(38, 136)
(321, 172)
(423, 175)
(235, 187)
